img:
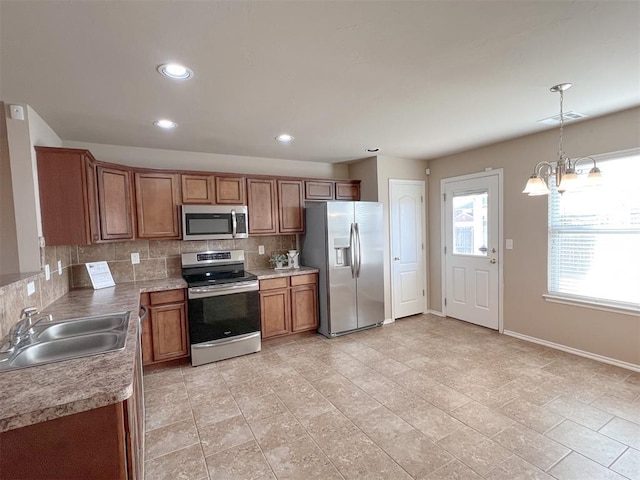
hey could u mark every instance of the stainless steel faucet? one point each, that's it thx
(23, 329)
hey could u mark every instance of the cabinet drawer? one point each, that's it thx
(271, 283)
(169, 296)
(303, 279)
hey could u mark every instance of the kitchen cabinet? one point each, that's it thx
(157, 200)
(290, 206)
(319, 190)
(348, 190)
(288, 304)
(68, 204)
(115, 203)
(262, 206)
(230, 190)
(102, 444)
(198, 189)
(165, 330)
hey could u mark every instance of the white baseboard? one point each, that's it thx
(388, 320)
(575, 351)
(437, 314)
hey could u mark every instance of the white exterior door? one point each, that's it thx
(472, 234)
(406, 216)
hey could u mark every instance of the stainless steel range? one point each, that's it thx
(224, 306)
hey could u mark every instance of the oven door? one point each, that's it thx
(224, 321)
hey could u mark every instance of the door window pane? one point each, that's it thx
(470, 224)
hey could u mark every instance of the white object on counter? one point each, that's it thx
(100, 275)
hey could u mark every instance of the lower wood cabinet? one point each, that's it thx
(165, 333)
(288, 304)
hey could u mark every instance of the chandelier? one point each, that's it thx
(564, 169)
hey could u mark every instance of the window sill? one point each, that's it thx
(625, 309)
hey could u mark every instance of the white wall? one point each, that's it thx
(209, 162)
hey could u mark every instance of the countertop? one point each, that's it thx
(36, 394)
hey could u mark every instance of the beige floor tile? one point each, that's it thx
(400, 400)
(174, 393)
(591, 444)
(308, 405)
(352, 401)
(301, 459)
(204, 392)
(244, 462)
(202, 373)
(628, 464)
(388, 367)
(215, 410)
(255, 408)
(579, 412)
(623, 431)
(517, 468)
(162, 379)
(251, 388)
(481, 418)
(531, 415)
(478, 452)
(216, 437)
(172, 437)
(329, 427)
(278, 430)
(382, 426)
(239, 374)
(445, 397)
(431, 421)
(165, 414)
(357, 457)
(185, 464)
(454, 471)
(532, 446)
(622, 408)
(576, 467)
(415, 453)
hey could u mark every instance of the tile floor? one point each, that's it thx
(423, 398)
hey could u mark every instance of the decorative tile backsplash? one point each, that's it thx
(158, 259)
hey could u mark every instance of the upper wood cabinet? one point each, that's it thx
(115, 204)
(290, 206)
(157, 200)
(66, 179)
(348, 190)
(262, 205)
(319, 190)
(230, 191)
(198, 189)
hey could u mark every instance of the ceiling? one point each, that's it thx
(416, 79)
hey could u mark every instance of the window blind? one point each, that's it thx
(594, 235)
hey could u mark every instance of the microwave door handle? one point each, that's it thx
(234, 223)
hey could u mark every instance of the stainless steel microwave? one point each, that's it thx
(214, 222)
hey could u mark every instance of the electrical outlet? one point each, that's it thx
(260, 249)
(47, 273)
(31, 288)
(135, 258)
(59, 267)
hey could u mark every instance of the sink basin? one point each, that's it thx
(78, 337)
(83, 326)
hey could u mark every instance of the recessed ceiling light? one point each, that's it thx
(284, 138)
(166, 124)
(373, 150)
(175, 70)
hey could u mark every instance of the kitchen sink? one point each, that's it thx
(74, 338)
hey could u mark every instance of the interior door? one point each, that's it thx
(407, 253)
(472, 239)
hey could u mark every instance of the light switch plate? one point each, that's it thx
(509, 244)
(135, 258)
(31, 288)
(260, 249)
(59, 267)
(47, 272)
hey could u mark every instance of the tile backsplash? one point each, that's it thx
(158, 259)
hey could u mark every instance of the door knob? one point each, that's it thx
(493, 260)
(396, 258)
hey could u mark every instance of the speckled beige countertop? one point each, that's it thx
(264, 273)
(35, 394)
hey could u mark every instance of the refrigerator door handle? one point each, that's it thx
(358, 252)
(352, 251)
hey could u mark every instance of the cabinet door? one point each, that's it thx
(275, 311)
(169, 328)
(230, 191)
(318, 190)
(291, 213)
(115, 205)
(157, 196)
(304, 308)
(262, 206)
(197, 189)
(348, 191)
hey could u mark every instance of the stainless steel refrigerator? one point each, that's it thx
(344, 240)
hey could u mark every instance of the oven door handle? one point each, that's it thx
(218, 290)
(217, 343)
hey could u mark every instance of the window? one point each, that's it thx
(470, 224)
(594, 236)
